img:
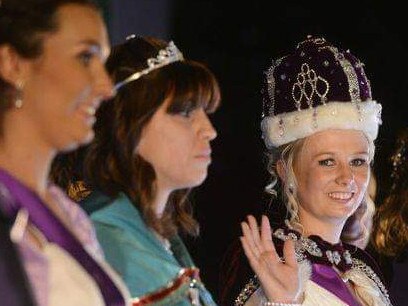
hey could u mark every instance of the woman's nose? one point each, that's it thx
(208, 130)
(345, 175)
(104, 88)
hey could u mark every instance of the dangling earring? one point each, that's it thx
(291, 188)
(18, 103)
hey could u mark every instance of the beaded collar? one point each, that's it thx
(317, 250)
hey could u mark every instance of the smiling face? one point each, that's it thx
(332, 172)
(65, 85)
(177, 145)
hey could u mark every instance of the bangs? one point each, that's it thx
(193, 86)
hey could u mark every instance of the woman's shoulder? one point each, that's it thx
(72, 210)
(117, 212)
(366, 275)
(364, 258)
(78, 221)
(120, 228)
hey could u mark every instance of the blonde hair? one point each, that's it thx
(358, 227)
(355, 228)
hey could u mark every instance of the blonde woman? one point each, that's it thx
(320, 122)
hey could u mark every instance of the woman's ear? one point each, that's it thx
(12, 65)
(280, 168)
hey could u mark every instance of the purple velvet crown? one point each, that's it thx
(316, 88)
(314, 74)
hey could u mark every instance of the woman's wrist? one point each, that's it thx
(297, 302)
(267, 303)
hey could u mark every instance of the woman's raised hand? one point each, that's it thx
(279, 277)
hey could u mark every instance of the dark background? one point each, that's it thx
(237, 42)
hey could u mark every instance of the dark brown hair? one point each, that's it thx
(23, 24)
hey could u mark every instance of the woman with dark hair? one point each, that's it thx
(390, 235)
(319, 124)
(52, 80)
(152, 146)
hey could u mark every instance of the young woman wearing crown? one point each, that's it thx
(319, 124)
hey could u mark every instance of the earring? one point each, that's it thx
(18, 103)
(291, 187)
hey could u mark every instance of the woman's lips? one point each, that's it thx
(88, 112)
(204, 156)
(341, 195)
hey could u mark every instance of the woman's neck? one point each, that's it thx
(327, 230)
(26, 160)
(160, 201)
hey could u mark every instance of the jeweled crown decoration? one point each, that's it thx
(166, 56)
(315, 73)
(307, 85)
(316, 87)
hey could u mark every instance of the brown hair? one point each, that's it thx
(23, 24)
(390, 235)
(111, 164)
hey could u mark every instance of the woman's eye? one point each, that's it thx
(186, 113)
(358, 162)
(326, 162)
(85, 57)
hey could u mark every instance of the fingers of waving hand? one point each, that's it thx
(251, 236)
(279, 279)
(289, 254)
(258, 246)
(266, 235)
(253, 226)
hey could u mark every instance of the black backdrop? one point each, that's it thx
(237, 41)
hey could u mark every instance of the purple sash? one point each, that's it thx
(55, 232)
(326, 277)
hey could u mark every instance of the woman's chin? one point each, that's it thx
(76, 142)
(88, 137)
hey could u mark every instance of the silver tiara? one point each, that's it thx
(166, 56)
